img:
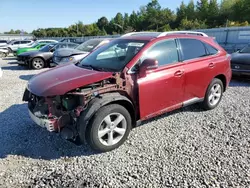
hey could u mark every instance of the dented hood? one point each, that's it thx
(62, 79)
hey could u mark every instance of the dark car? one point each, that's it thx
(126, 81)
(240, 62)
(42, 58)
(62, 56)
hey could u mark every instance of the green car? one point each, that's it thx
(34, 47)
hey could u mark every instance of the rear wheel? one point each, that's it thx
(37, 63)
(213, 95)
(109, 128)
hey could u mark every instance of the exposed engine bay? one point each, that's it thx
(60, 113)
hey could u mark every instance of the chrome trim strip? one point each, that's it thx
(192, 101)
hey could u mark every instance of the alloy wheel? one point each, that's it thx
(112, 129)
(215, 94)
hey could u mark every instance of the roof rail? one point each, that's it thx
(160, 34)
(183, 32)
(142, 33)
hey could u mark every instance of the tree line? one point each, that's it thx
(153, 17)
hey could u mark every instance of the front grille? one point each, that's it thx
(21, 58)
(57, 59)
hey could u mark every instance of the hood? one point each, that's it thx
(65, 52)
(62, 79)
(30, 53)
(241, 58)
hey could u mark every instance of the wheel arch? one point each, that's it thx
(103, 100)
(223, 78)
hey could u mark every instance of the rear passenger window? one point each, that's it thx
(164, 52)
(192, 48)
(211, 50)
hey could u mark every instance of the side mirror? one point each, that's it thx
(52, 50)
(147, 65)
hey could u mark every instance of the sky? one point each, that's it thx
(33, 14)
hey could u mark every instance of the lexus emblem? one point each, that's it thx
(237, 67)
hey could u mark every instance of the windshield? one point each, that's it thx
(34, 44)
(246, 49)
(89, 45)
(47, 48)
(113, 56)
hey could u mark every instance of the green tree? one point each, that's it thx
(213, 13)
(102, 23)
(202, 9)
(190, 10)
(181, 13)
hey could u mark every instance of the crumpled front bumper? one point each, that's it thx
(49, 124)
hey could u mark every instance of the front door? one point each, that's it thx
(161, 90)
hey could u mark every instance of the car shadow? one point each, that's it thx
(192, 108)
(26, 77)
(20, 136)
(10, 58)
(17, 67)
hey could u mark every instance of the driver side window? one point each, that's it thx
(165, 52)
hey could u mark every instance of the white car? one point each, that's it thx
(3, 42)
(15, 44)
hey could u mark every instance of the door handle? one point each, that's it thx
(211, 65)
(178, 73)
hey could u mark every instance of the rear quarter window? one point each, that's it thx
(210, 49)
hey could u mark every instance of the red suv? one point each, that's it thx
(133, 78)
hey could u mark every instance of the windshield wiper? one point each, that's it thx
(90, 67)
(96, 68)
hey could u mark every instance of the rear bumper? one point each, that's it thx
(49, 124)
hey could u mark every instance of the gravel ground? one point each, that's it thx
(185, 148)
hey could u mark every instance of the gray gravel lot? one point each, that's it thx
(185, 148)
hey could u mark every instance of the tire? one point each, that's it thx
(98, 132)
(37, 63)
(213, 95)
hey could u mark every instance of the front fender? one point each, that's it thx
(93, 106)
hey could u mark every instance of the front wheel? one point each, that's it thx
(109, 128)
(213, 94)
(37, 63)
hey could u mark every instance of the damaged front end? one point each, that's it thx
(56, 114)
(61, 113)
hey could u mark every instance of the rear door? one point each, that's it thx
(199, 65)
(161, 90)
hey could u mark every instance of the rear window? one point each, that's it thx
(192, 48)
